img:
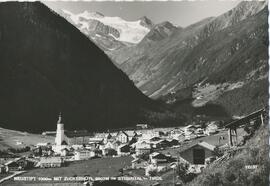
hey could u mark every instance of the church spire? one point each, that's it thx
(59, 118)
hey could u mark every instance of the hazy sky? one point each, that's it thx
(180, 13)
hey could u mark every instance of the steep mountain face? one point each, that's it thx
(144, 21)
(213, 57)
(109, 33)
(48, 66)
(160, 31)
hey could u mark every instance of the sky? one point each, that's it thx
(181, 13)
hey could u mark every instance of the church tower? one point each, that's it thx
(59, 132)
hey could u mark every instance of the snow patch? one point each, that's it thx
(130, 31)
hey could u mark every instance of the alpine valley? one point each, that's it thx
(91, 99)
(193, 66)
(189, 72)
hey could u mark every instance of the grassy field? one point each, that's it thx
(4, 175)
(103, 167)
(108, 166)
(9, 139)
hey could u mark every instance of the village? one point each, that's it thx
(146, 151)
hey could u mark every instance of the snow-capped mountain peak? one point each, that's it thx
(130, 31)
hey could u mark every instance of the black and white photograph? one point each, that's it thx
(134, 93)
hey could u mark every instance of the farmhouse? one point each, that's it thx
(142, 126)
(84, 154)
(77, 137)
(190, 135)
(95, 141)
(17, 164)
(3, 169)
(138, 163)
(211, 128)
(157, 158)
(50, 162)
(173, 142)
(148, 134)
(125, 137)
(42, 144)
(112, 145)
(179, 137)
(196, 155)
(189, 128)
(160, 144)
(131, 134)
(142, 148)
(109, 138)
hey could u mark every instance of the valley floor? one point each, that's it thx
(16, 139)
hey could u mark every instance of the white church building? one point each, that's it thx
(60, 141)
(65, 139)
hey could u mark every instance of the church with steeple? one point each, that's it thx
(60, 133)
(65, 139)
(60, 138)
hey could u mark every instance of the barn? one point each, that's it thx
(196, 156)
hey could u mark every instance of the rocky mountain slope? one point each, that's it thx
(133, 53)
(160, 31)
(214, 57)
(48, 66)
(149, 69)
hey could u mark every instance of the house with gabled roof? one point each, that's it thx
(138, 163)
(157, 157)
(122, 136)
(196, 155)
(131, 134)
(17, 164)
(143, 147)
(51, 162)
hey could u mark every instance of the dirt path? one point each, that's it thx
(11, 176)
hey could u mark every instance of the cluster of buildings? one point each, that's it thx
(195, 131)
(150, 148)
(149, 151)
(143, 144)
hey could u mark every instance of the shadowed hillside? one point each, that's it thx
(48, 66)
